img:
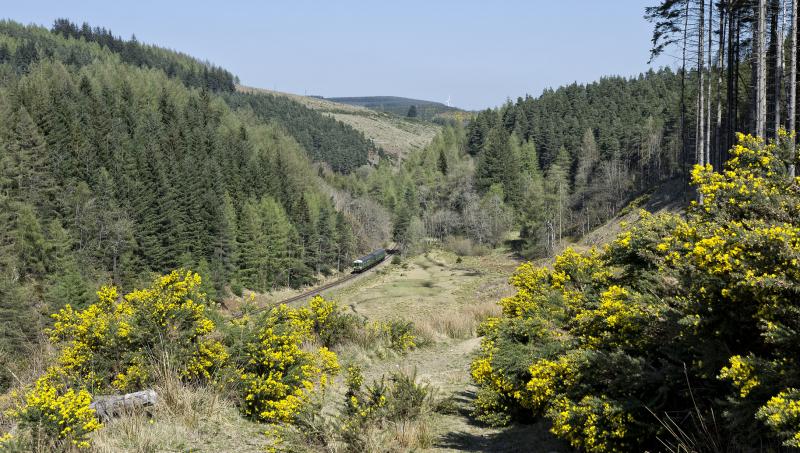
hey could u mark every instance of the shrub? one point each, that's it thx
(57, 415)
(331, 325)
(277, 375)
(400, 334)
(113, 345)
(598, 343)
(401, 403)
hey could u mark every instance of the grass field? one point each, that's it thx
(446, 300)
(396, 135)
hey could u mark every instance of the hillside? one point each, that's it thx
(111, 172)
(446, 296)
(325, 139)
(427, 110)
(397, 136)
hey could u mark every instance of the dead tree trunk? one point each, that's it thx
(761, 70)
(684, 139)
(707, 145)
(720, 70)
(793, 89)
(778, 79)
(110, 406)
(700, 137)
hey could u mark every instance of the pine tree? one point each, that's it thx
(24, 162)
(497, 165)
(31, 245)
(442, 162)
(68, 287)
(224, 261)
(277, 233)
(253, 260)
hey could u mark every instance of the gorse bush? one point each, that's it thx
(679, 315)
(387, 408)
(274, 365)
(112, 343)
(112, 346)
(57, 416)
(278, 375)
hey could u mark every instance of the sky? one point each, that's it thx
(476, 52)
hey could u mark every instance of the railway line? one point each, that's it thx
(317, 290)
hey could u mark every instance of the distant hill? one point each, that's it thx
(396, 135)
(426, 110)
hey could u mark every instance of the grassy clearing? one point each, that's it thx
(432, 289)
(186, 418)
(396, 135)
(445, 297)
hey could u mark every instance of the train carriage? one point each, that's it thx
(366, 262)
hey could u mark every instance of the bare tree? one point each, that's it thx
(761, 70)
(778, 33)
(700, 136)
(707, 144)
(793, 88)
(720, 70)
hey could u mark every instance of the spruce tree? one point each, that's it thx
(442, 162)
(30, 243)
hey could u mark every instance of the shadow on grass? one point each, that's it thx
(518, 437)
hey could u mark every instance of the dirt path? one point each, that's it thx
(427, 287)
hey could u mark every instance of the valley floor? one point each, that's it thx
(444, 298)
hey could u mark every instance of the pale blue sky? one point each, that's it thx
(477, 52)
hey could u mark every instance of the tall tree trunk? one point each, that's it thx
(761, 70)
(717, 161)
(701, 129)
(731, 91)
(684, 140)
(778, 79)
(707, 145)
(737, 65)
(793, 89)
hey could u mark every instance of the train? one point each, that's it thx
(366, 262)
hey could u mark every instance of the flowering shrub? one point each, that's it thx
(278, 375)
(782, 414)
(55, 411)
(600, 340)
(112, 345)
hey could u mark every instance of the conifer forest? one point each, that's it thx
(191, 263)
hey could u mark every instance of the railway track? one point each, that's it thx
(316, 290)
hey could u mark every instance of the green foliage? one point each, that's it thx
(324, 138)
(118, 344)
(369, 408)
(578, 153)
(119, 160)
(426, 110)
(700, 313)
(190, 71)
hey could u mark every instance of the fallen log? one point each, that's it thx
(108, 406)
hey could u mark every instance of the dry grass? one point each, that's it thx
(186, 418)
(396, 135)
(462, 323)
